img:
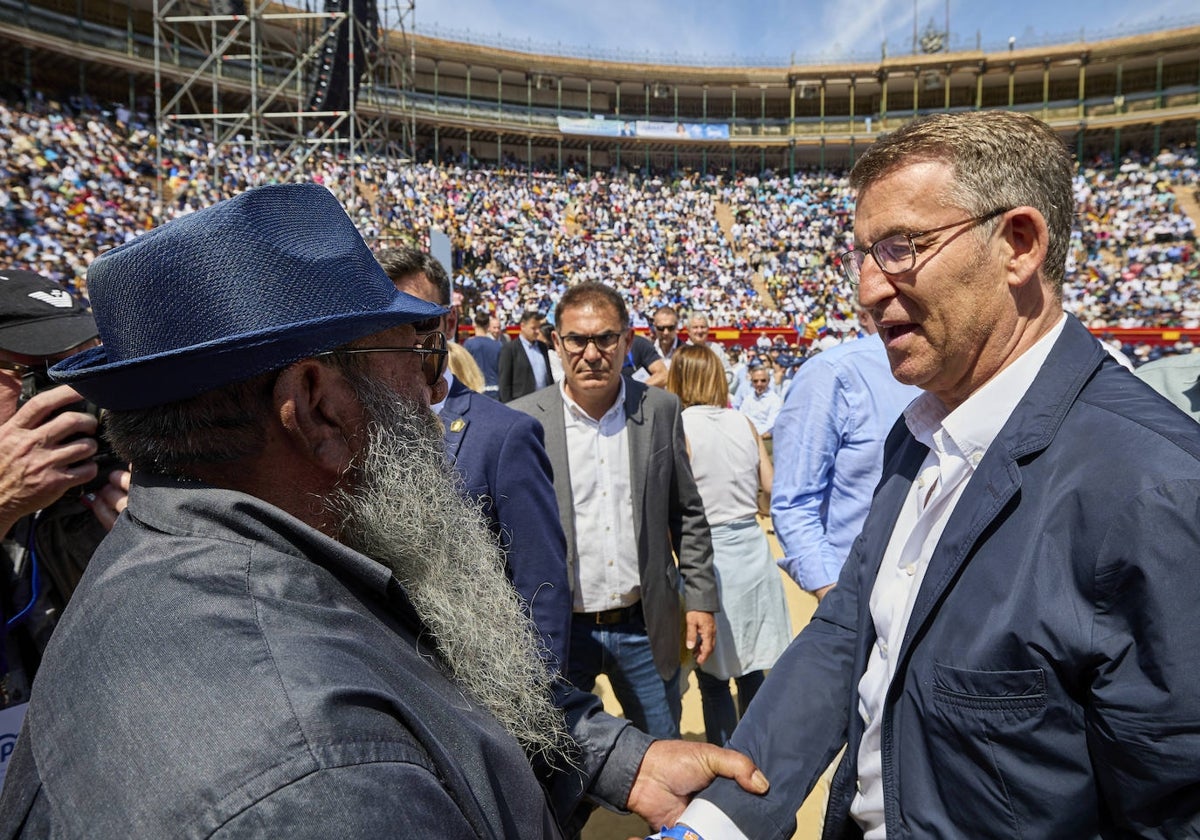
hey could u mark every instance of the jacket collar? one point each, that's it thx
(193, 508)
(1031, 428)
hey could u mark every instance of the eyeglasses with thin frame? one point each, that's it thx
(604, 342)
(897, 254)
(666, 327)
(428, 325)
(433, 354)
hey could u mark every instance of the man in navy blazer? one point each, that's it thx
(502, 459)
(1012, 647)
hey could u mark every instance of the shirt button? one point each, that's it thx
(910, 569)
(975, 459)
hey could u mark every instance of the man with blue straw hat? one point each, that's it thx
(281, 636)
(296, 629)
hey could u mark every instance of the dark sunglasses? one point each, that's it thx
(432, 350)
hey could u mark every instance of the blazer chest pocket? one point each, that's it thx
(984, 737)
(1011, 692)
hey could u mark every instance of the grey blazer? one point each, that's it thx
(668, 514)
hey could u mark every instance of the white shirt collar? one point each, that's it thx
(974, 425)
(574, 408)
(436, 408)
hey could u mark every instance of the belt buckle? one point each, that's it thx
(613, 616)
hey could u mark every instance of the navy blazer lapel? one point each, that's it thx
(454, 419)
(899, 472)
(1034, 422)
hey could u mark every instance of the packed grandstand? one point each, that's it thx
(751, 250)
(751, 247)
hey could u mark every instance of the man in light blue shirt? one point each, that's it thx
(763, 405)
(828, 455)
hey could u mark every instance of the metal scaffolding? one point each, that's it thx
(247, 80)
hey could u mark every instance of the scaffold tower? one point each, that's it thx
(282, 81)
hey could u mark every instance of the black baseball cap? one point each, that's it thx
(38, 317)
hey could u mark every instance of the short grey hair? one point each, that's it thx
(999, 159)
(219, 426)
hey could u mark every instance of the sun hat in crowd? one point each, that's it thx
(274, 275)
(40, 318)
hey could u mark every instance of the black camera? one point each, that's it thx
(39, 380)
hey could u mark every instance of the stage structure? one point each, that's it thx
(282, 81)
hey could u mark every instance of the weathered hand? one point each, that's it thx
(672, 771)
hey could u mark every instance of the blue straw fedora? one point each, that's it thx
(271, 276)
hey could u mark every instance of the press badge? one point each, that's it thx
(10, 725)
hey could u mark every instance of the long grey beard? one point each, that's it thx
(402, 507)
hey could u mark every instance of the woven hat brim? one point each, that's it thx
(186, 372)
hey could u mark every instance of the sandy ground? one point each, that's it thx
(606, 825)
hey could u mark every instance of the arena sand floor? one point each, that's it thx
(605, 825)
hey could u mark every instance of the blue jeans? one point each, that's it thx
(622, 653)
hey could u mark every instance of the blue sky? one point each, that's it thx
(773, 31)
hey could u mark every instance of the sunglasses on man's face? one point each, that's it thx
(433, 354)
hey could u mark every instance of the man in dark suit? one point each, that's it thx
(499, 454)
(525, 362)
(629, 506)
(1011, 648)
(504, 467)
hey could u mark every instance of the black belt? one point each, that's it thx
(620, 615)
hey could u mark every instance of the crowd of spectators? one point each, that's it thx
(747, 250)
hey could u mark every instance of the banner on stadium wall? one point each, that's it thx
(657, 130)
(593, 126)
(646, 129)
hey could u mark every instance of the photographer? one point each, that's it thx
(55, 504)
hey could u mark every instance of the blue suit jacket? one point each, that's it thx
(1049, 680)
(501, 456)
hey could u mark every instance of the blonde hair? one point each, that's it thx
(464, 368)
(697, 377)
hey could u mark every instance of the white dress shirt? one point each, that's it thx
(958, 441)
(606, 576)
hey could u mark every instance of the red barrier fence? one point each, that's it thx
(747, 338)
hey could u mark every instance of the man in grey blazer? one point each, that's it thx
(629, 507)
